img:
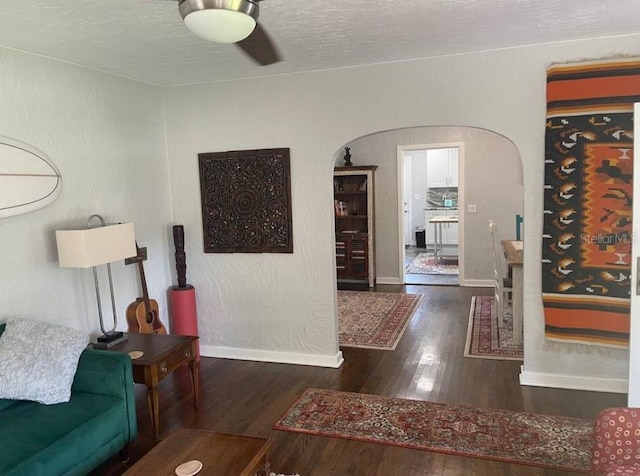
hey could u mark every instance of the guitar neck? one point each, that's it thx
(143, 281)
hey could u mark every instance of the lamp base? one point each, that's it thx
(110, 339)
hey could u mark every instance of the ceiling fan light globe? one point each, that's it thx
(220, 26)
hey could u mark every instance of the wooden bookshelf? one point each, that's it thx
(354, 222)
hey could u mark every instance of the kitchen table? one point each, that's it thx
(437, 222)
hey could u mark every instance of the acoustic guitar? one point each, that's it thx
(142, 314)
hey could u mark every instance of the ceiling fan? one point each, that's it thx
(230, 21)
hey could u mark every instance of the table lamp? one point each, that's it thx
(92, 247)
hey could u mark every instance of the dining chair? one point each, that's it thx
(519, 223)
(503, 286)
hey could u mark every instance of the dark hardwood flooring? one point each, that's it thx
(248, 397)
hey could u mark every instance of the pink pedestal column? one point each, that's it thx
(184, 316)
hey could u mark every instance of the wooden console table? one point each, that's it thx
(220, 454)
(162, 354)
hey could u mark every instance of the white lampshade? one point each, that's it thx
(90, 247)
(220, 26)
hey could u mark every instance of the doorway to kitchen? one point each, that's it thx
(431, 189)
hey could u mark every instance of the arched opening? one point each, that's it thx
(490, 182)
(490, 188)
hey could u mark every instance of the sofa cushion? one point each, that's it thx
(39, 360)
(40, 440)
(619, 470)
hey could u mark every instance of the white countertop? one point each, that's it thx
(444, 219)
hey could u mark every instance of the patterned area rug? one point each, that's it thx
(425, 263)
(501, 435)
(374, 320)
(485, 340)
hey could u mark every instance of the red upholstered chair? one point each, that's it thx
(616, 442)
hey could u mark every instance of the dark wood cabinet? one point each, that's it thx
(352, 256)
(354, 223)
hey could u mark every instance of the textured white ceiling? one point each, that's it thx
(146, 39)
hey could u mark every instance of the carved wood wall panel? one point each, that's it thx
(246, 201)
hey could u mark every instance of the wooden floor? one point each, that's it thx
(248, 397)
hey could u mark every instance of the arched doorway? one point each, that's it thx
(492, 186)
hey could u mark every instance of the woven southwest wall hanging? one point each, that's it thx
(586, 246)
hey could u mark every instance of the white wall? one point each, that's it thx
(106, 135)
(286, 303)
(493, 181)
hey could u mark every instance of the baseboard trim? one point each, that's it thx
(469, 283)
(573, 382)
(477, 283)
(236, 353)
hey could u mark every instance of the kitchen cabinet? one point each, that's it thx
(442, 168)
(453, 167)
(353, 194)
(451, 234)
(429, 229)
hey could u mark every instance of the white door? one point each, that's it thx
(406, 206)
(634, 345)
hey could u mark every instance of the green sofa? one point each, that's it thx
(75, 437)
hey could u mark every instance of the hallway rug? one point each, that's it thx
(485, 340)
(425, 263)
(501, 435)
(374, 320)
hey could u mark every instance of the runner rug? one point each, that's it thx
(425, 263)
(501, 435)
(485, 340)
(374, 320)
(586, 246)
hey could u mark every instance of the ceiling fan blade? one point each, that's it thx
(259, 47)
